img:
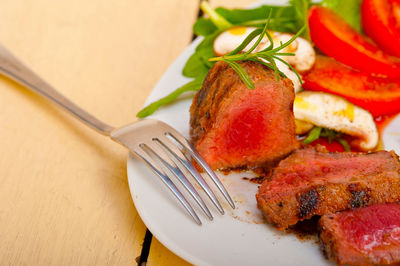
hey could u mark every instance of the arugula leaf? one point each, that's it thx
(349, 10)
(301, 8)
(330, 134)
(334, 135)
(208, 41)
(203, 27)
(313, 135)
(197, 65)
(345, 144)
(194, 85)
(237, 16)
(283, 19)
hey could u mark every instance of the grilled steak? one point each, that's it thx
(233, 126)
(365, 236)
(310, 182)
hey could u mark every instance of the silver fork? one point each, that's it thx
(166, 152)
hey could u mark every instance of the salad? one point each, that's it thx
(342, 57)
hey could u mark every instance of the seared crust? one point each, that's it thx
(303, 185)
(206, 102)
(327, 232)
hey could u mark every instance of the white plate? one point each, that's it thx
(237, 238)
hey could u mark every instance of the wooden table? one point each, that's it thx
(64, 196)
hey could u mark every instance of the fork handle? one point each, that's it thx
(11, 67)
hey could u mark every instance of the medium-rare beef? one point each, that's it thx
(364, 236)
(310, 182)
(233, 126)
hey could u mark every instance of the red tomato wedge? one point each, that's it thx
(381, 22)
(380, 96)
(334, 146)
(334, 37)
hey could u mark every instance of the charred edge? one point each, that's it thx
(327, 245)
(254, 180)
(307, 202)
(321, 242)
(217, 87)
(359, 196)
(324, 248)
(210, 88)
(201, 96)
(221, 92)
(208, 84)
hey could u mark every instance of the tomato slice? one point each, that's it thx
(380, 96)
(334, 37)
(333, 146)
(381, 22)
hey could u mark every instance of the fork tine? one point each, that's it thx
(173, 168)
(168, 182)
(185, 161)
(189, 147)
(212, 175)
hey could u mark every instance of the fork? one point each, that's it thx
(167, 153)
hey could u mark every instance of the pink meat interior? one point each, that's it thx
(305, 168)
(250, 130)
(374, 227)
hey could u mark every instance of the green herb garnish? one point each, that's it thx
(330, 134)
(282, 19)
(266, 56)
(344, 143)
(151, 108)
(301, 7)
(314, 134)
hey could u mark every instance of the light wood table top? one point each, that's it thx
(64, 196)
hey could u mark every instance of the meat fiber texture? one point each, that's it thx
(233, 126)
(365, 236)
(310, 182)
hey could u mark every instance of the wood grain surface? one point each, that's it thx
(64, 197)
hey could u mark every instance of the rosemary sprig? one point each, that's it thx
(266, 56)
(283, 19)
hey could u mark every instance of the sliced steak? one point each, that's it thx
(365, 236)
(233, 126)
(310, 182)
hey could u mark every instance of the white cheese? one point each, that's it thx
(334, 112)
